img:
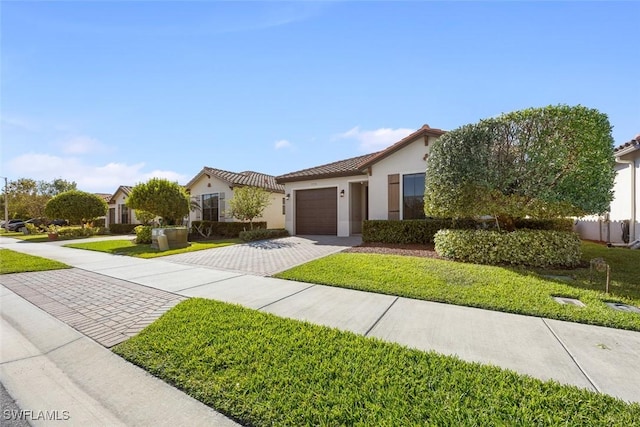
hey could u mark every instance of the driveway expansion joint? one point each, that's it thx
(580, 368)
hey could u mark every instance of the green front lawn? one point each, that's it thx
(263, 370)
(128, 247)
(16, 262)
(515, 290)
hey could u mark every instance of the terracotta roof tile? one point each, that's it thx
(246, 178)
(348, 167)
(356, 165)
(627, 145)
(424, 130)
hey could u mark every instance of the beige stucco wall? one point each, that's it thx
(593, 228)
(120, 199)
(343, 202)
(408, 160)
(272, 214)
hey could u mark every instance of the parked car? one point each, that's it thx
(10, 225)
(59, 222)
(20, 224)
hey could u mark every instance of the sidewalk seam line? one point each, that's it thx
(46, 353)
(210, 283)
(381, 316)
(571, 355)
(285, 297)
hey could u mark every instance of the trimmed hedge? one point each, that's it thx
(419, 231)
(538, 248)
(143, 234)
(225, 229)
(122, 228)
(262, 234)
(556, 224)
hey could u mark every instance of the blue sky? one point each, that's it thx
(113, 93)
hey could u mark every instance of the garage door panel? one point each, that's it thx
(317, 211)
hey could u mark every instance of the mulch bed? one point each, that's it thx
(426, 251)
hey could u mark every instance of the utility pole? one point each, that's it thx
(6, 202)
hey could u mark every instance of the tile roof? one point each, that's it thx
(356, 165)
(348, 167)
(246, 178)
(425, 130)
(126, 189)
(104, 196)
(628, 146)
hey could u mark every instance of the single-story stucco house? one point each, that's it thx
(211, 189)
(119, 213)
(334, 199)
(621, 224)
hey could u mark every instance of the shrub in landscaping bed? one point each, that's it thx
(538, 248)
(262, 234)
(420, 231)
(75, 231)
(206, 229)
(143, 234)
(122, 228)
(263, 370)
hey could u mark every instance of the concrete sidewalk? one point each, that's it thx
(596, 358)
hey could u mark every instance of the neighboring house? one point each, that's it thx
(211, 189)
(621, 225)
(335, 198)
(119, 213)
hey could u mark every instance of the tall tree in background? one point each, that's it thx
(28, 197)
(555, 161)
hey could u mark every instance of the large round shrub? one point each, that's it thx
(76, 206)
(162, 198)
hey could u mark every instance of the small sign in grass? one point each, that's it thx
(263, 370)
(16, 262)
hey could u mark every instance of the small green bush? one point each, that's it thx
(419, 231)
(204, 229)
(32, 229)
(538, 248)
(75, 231)
(98, 222)
(122, 228)
(143, 234)
(262, 234)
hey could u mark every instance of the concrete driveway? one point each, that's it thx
(264, 258)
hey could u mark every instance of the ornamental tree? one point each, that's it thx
(555, 161)
(78, 207)
(248, 203)
(160, 197)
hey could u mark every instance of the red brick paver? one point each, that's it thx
(103, 308)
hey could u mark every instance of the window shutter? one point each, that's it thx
(221, 206)
(393, 195)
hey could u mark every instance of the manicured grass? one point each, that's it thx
(16, 262)
(128, 247)
(515, 290)
(263, 370)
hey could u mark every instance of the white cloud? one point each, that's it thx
(283, 143)
(81, 145)
(374, 140)
(93, 178)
